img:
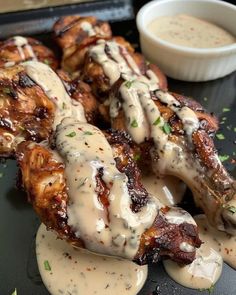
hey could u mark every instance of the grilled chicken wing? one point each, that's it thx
(87, 173)
(107, 60)
(33, 101)
(74, 33)
(25, 110)
(19, 49)
(175, 136)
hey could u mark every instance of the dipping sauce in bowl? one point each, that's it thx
(186, 30)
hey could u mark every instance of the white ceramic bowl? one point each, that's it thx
(185, 63)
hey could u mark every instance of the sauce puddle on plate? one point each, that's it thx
(206, 269)
(66, 270)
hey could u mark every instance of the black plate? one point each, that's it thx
(18, 222)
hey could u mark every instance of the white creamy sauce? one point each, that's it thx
(88, 28)
(76, 271)
(169, 190)
(112, 230)
(190, 31)
(22, 44)
(117, 62)
(186, 115)
(53, 87)
(206, 269)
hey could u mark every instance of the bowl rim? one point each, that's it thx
(183, 49)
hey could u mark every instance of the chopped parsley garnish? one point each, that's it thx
(158, 121)
(47, 62)
(63, 105)
(134, 123)
(88, 133)
(47, 265)
(166, 128)
(232, 209)
(225, 110)
(223, 157)
(6, 90)
(14, 292)
(72, 134)
(137, 157)
(21, 128)
(220, 136)
(210, 290)
(128, 84)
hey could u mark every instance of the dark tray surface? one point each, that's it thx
(18, 222)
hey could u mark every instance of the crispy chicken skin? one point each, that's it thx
(27, 49)
(25, 111)
(74, 33)
(93, 73)
(196, 163)
(80, 91)
(44, 180)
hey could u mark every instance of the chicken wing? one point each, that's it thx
(175, 136)
(74, 33)
(33, 101)
(87, 173)
(19, 49)
(108, 60)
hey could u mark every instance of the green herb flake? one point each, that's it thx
(47, 265)
(220, 136)
(223, 157)
(46, 61)
(232, 209)
(14, 292)
(128, 84)
(21, 128)
(225, 110)
(63, 105)
(1, 174)
(167, 128)
(210, 290)
(158, 121)
(137, 157)
(88, 133)
(72, 134)
(6, 90)
(134, 123)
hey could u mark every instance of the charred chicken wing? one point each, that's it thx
(175, 134)
(74, 33)
(19, 49)
(34, 100)
(88, 173)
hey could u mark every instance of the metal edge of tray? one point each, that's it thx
(41, 20)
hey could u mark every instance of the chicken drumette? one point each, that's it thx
(75, 179)
(33, 100)
(175, 135)
(18, 49)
